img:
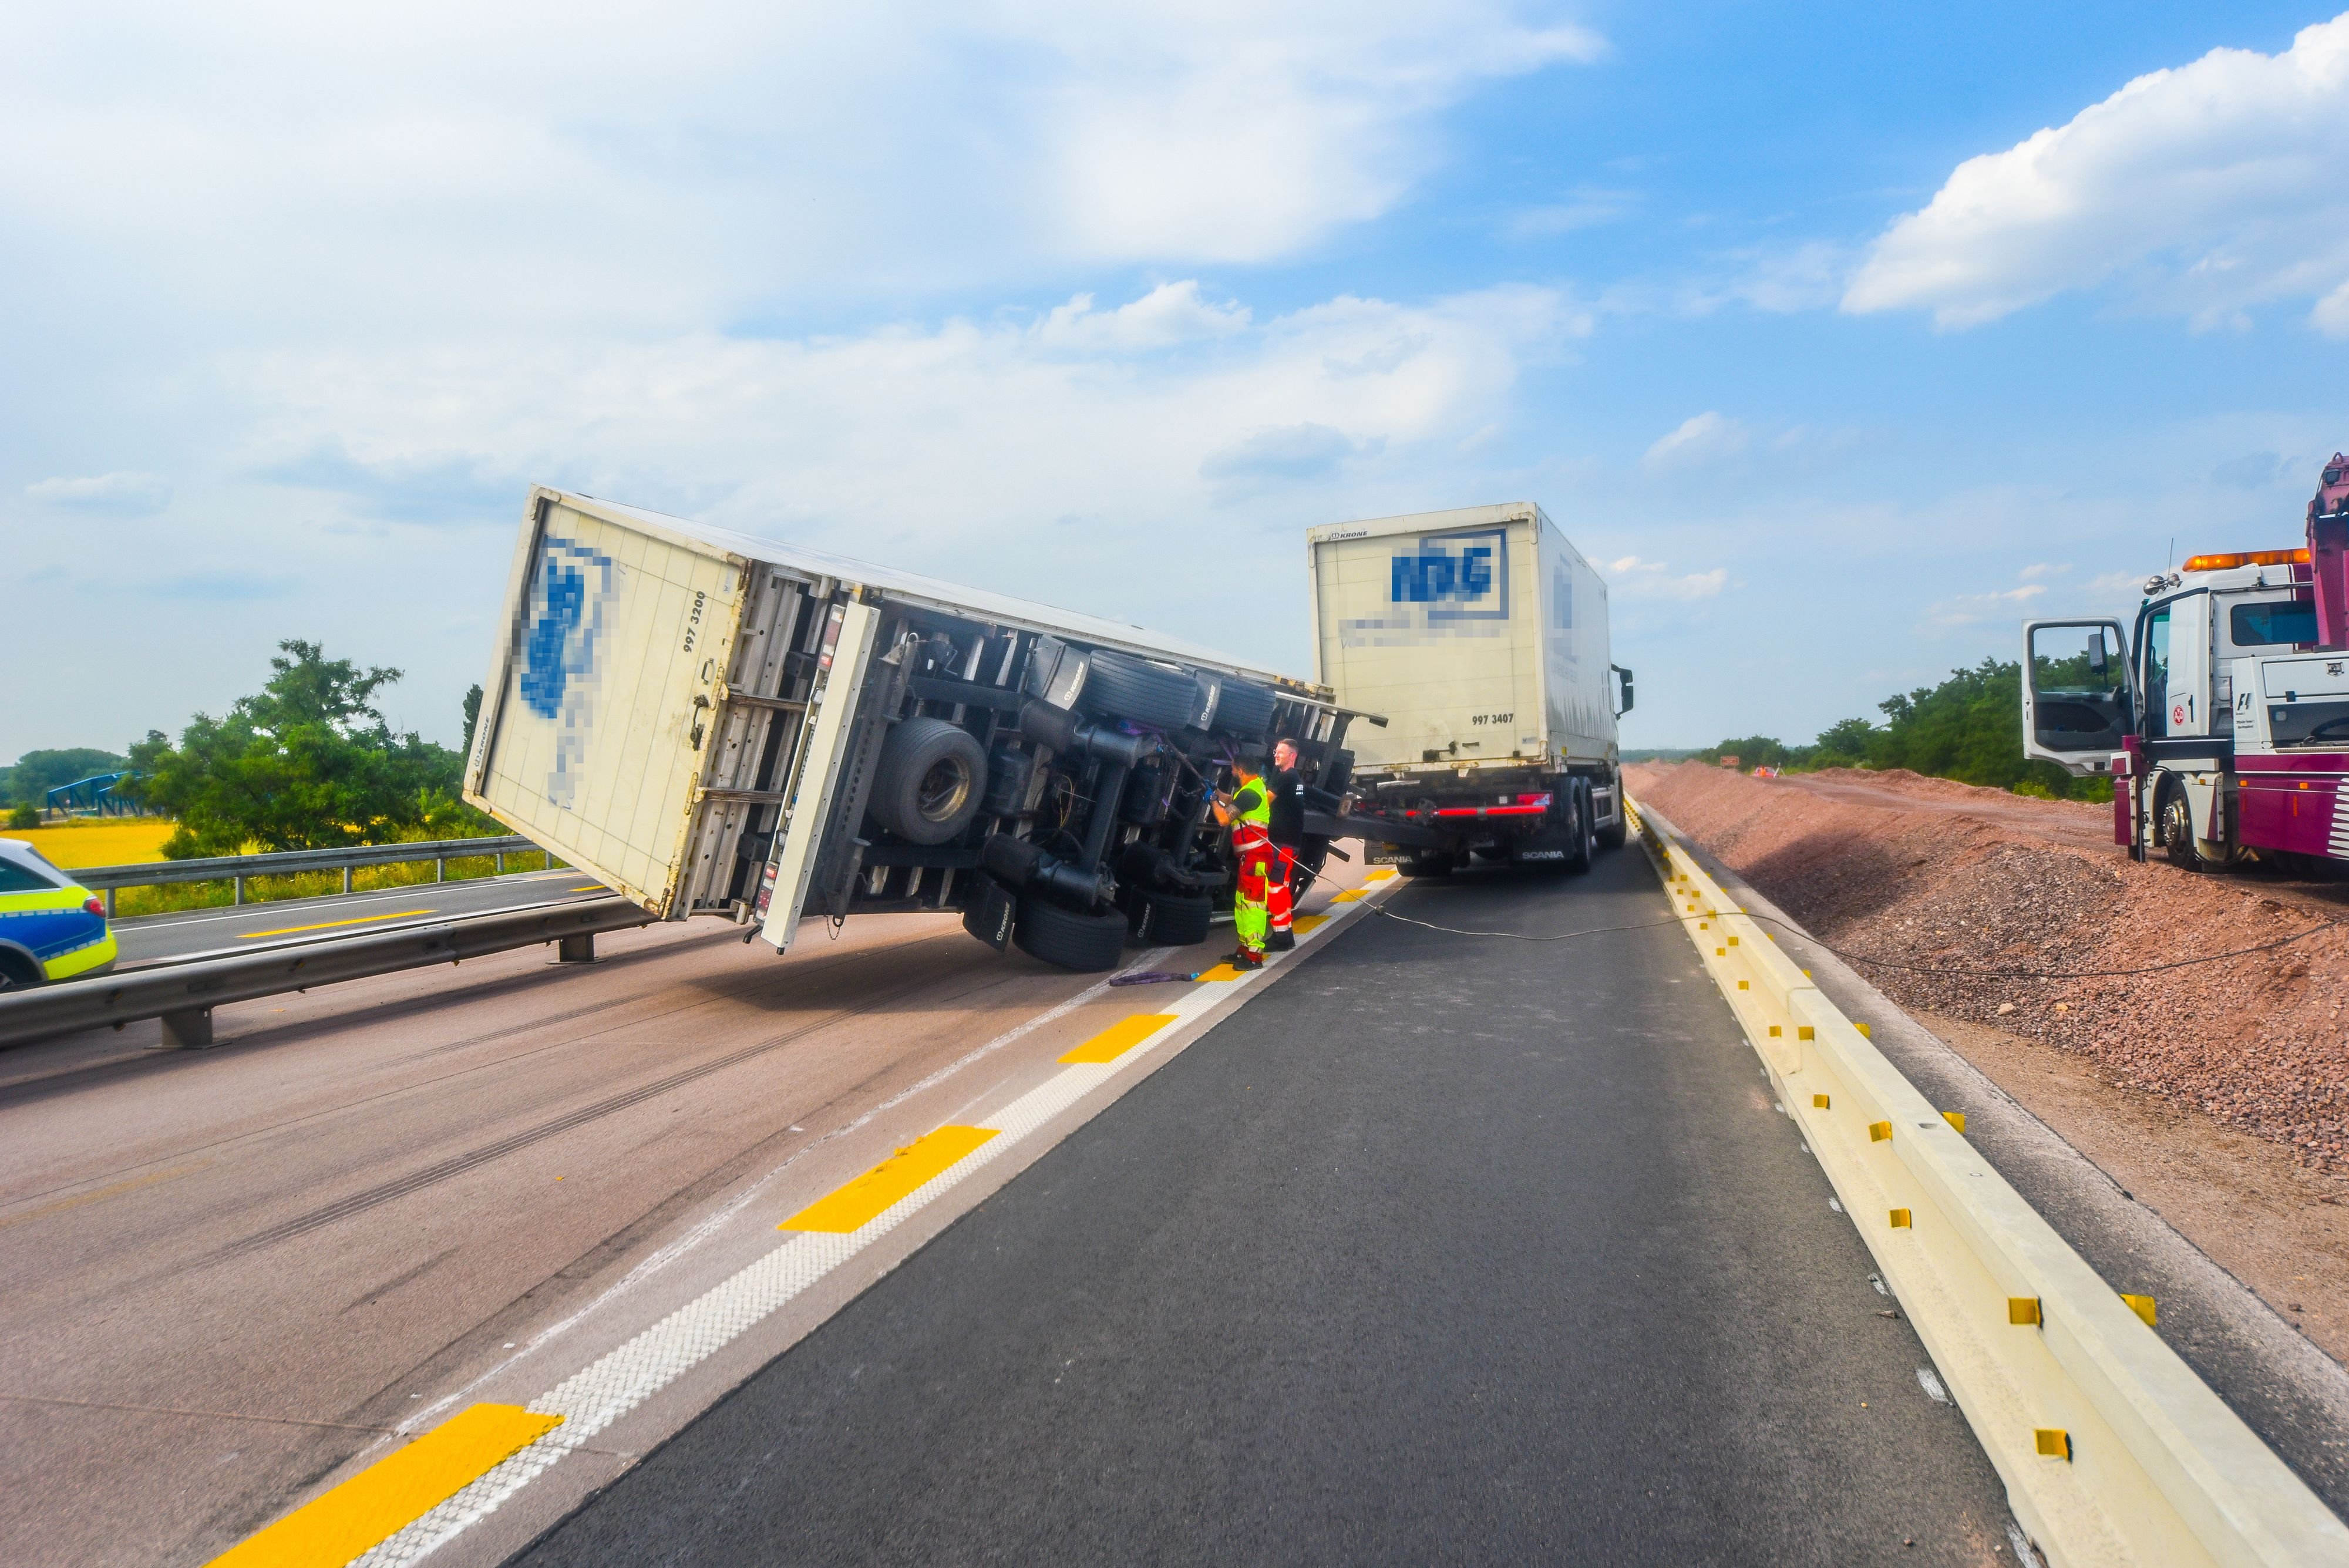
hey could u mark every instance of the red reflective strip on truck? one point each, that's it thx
(1489, 811)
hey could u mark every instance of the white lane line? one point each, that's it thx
(620, 1380)
(710, 1225)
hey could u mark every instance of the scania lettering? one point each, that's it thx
(2223, 712)
(717, 724)
(1480, 635)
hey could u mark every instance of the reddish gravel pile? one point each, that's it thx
(1938, 877)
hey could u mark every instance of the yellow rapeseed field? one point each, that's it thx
(99, 841)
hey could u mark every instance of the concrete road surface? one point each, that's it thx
(192, 932)
(1449, 1249)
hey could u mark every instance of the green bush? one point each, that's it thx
(1969, 728)
(23, 817)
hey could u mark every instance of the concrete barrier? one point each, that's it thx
(2113, 1451)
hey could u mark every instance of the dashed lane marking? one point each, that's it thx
(616, 1383)
(393, 1492)
(329, 925)
(857, 1203)
(1121, 1037)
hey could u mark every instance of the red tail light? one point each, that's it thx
(1540, 800)
(94, 905)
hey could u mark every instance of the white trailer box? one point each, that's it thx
(1481, 634)
(713, 723)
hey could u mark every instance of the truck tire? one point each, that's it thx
(1620, 834)
(1086, 942)
(1244, 710)
(1584, 851)
(2174, 825)
(930, 781)
(1121, 686)
(1174, 919)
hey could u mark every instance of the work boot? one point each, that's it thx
(1245, 960)
(1280, 942)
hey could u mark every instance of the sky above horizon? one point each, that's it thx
(1840, 338)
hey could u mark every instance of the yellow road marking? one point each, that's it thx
(393, 1492)
(1221, 971)
(1120, 1037)
(329, 925)
(1348, 897)
(591, 888)
(848, 1207)
(1304, 923)
(79, 1198)
(1380, 874)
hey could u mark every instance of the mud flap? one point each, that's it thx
(989, 913)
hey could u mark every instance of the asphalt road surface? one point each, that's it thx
(210, 932)
(226, 1276)
(1445, 1249)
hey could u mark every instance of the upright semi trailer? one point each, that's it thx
(712, 723)
(2221, 712)
(1480, 635)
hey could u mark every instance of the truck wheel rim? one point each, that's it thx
(943, 790)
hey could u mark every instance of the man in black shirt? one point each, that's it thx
(1286, 787)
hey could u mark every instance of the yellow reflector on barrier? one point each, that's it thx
(1818, 1101)
(1803, 1031)
(1879, 1132)
(1773, 1032)
(1732, 941)
(1955, 1118)
(2141, 1306)
(2054, 1442)
(1901, 1220)
(2022, 1310)
(1864, 1032)
(1721, 952)
(1740, 985)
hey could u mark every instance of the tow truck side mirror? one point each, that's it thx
(2097, 651)
(1624, 676)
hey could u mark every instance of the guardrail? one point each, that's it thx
(184, 994)
(2113, 1451)
(239, 868)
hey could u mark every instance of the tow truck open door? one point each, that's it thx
(2078, 700)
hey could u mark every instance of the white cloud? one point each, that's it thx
(2038, 569)
(1587, 209)
(1704, 437)
(2213, 187)
(541, 162)
(1634, 578)
(1971, 610)
(1169, 314)
(125, 492)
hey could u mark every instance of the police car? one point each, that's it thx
(51, 927)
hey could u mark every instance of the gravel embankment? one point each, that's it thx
(1931, 879)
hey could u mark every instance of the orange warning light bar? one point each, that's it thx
(2246, 558)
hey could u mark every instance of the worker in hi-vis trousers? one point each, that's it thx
(1250, 814)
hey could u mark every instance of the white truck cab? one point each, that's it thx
(2222, 712)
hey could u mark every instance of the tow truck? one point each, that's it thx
(2222, 715)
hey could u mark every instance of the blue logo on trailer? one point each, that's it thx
(1460, 577)
(566, 620)
(559, 648)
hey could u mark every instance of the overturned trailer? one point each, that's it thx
(712, 723)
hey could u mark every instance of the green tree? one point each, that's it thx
(473, 717)
(1969, 728)
(37, 772)
(307, 763)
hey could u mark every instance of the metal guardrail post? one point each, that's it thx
(502, 863)
(239, 881)
(347, 879)
(441, 869)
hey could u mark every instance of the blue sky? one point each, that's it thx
(1842, 337)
